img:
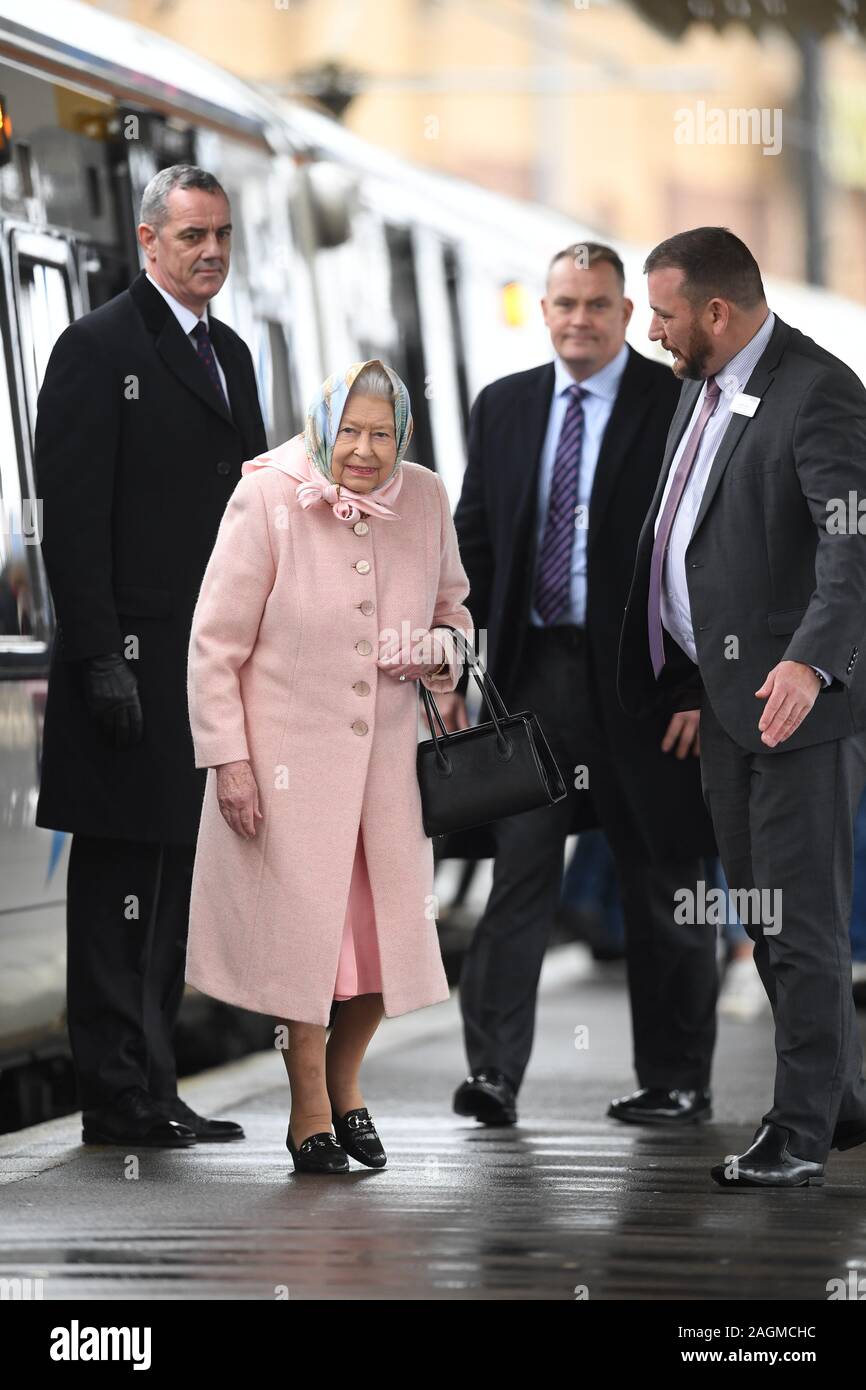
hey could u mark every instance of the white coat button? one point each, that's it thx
(367, 606)
(360, 528)
(364, 647)
(361, 687)
(363, 566)
(359, 726)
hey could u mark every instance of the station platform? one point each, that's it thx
(567, 1205)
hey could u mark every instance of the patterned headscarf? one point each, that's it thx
(326, 411)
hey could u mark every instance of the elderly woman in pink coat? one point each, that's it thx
(333, 587)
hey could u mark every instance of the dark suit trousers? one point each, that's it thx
(671, 968)
(784, 820)
(127, 921)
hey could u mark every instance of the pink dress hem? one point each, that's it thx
(358, 969)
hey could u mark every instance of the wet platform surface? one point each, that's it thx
(565, 1205)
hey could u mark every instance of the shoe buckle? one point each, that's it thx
(317, 1141)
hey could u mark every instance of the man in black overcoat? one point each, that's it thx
(563, 461)
(148, 408)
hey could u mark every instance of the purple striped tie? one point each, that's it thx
(205, 352)
(553, 579)
(663, 535)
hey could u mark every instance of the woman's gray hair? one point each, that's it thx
(154, 206)
(373, 381)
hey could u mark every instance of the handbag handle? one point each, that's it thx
(489, 694)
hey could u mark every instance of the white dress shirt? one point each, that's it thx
(188, 320)
(600, 393)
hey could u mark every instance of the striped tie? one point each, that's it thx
(553, 576)
(205, 352)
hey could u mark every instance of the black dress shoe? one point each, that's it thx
(767, 1163)
(848, 1134)
(653, 1106)
(177, 1109)
(320, 1153)
(134, 1118)
(356, 1133)
(489, 1096)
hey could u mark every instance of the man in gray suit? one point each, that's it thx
(748, 601)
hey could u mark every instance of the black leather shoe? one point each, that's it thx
(489, 1096)
(848, 1134)
(320, 1153)
(767, 1163)
(133, 1118)
(653, 1106)
(356, 1133)
(177, 1109)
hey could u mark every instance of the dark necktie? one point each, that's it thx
(205, 352)
(553, 577)
(663, 535)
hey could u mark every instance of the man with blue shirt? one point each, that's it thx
(563, 461)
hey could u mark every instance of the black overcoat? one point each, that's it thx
(135, 460)
(496, 528)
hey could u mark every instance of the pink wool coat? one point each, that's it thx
(282, 671)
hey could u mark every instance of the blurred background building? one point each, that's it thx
(583, 105)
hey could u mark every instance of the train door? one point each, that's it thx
(443, 353)
(410, 359)
(39, 295)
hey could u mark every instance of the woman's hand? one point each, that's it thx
(238, 798)
(413, 659)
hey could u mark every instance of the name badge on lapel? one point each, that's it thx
(745, 405)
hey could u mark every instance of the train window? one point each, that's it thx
(286, 416)
(336, 287)
(24, 163)
(440, 358)
(45, 312)
(409, 359)
(452, 281)
(45, 306)
(41, 285)
(360, 277)
(104, 273)
(94, 189)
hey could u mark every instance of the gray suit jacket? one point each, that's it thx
(763, 565)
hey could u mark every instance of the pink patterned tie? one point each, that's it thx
(678, 487)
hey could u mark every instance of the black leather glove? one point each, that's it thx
(111, 693)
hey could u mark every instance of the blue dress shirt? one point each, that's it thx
(600, 391)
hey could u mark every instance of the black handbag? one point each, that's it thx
(495, 769)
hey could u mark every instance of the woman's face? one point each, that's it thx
(366, 446)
